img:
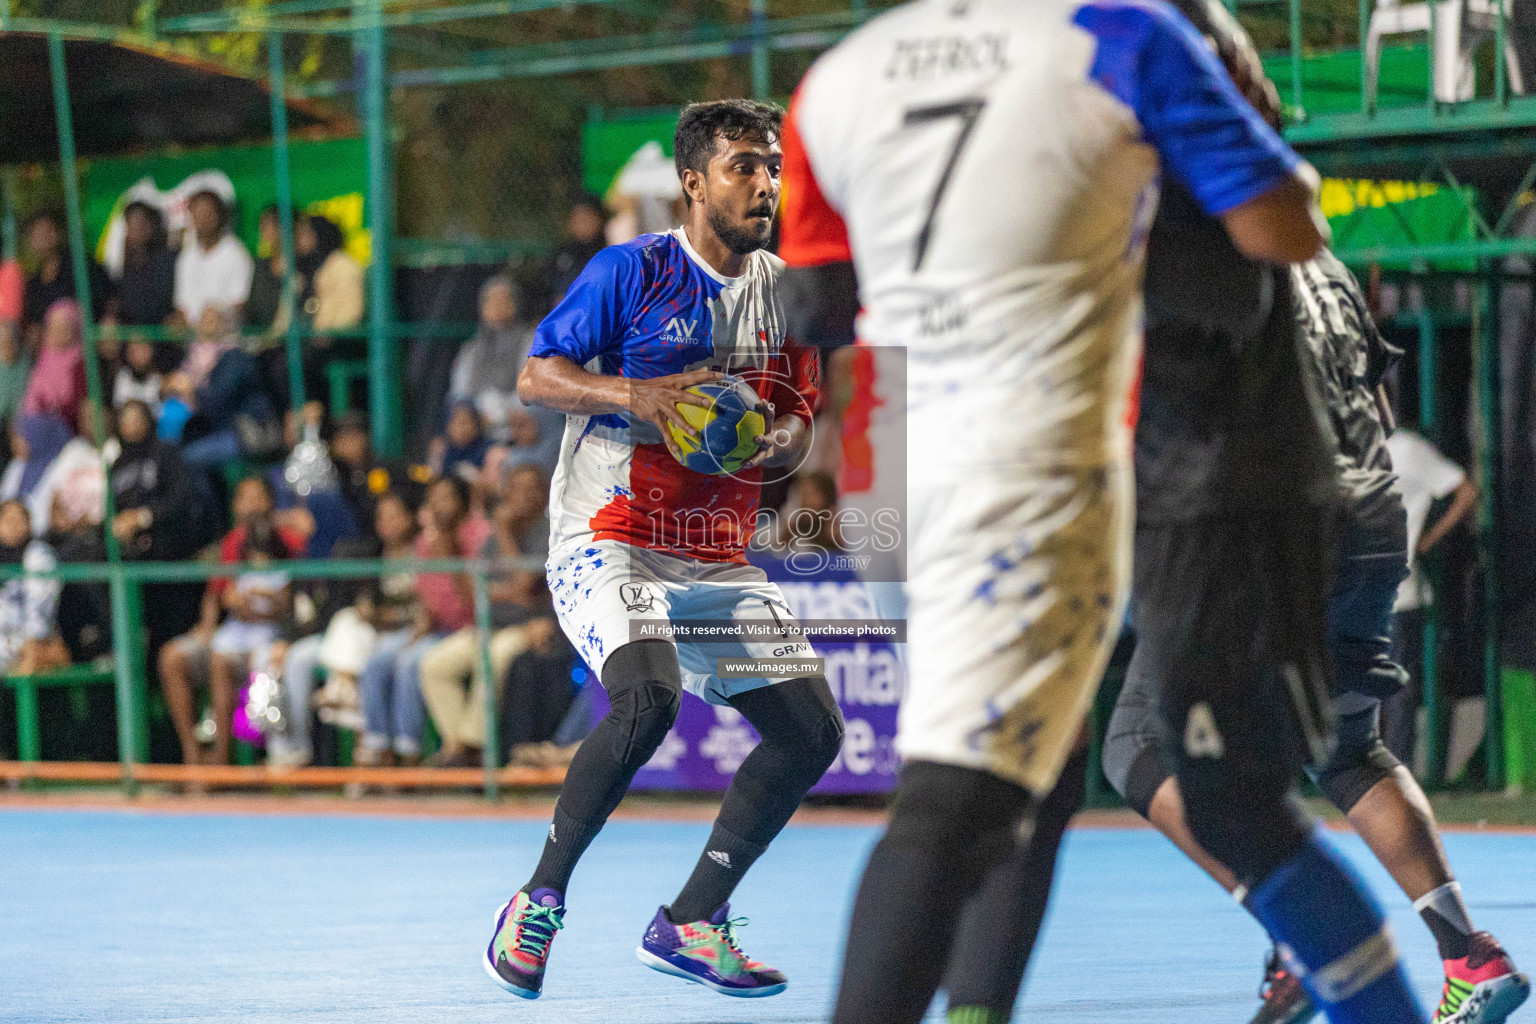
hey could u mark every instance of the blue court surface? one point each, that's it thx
(142, 917)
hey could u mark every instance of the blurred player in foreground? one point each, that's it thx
(1362, 778)
(639, 542)
(986, 172)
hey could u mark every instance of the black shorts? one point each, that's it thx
(1359, 620)
(1229, 611)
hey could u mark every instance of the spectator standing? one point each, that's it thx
(1424, 476)
(57, 384)
(213, 268)
(391, 681)
(145, 292)
(28, 606)
(331, 295)
(53, 276)
(450, 676)
(187, 661)
(584, 227)
(486, 368)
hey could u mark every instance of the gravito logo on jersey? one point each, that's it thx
(679, 331)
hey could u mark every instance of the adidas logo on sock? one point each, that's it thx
(723, 859)
(552, 832)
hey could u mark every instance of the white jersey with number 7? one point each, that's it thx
(993, 166)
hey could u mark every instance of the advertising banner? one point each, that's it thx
(709, 742)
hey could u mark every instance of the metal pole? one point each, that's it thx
(1500, 64)
(492, 747)
(1434, 762)
(1434, 71)
(1489, 429)
(122, 640)
(285, 215)
(761, 79)
(1297, 110)
(383, 393)
(8, 224)
(1365, 33)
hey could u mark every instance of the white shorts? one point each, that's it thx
(607, 592)
(1018, 589)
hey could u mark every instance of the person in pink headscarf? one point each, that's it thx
(57, 386)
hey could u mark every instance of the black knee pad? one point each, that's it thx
(1359, 760)
(644, 691)
(824, 732)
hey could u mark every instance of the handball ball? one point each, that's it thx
(727, 428)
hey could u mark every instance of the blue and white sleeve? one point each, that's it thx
(591, 319)
(1207, 135)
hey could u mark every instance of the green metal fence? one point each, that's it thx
(126, 580)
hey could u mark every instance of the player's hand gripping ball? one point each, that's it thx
(728, 428)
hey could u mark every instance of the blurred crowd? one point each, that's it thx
(205, 458)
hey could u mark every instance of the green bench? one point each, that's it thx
(29, 738)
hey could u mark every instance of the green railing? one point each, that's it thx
(126, 580)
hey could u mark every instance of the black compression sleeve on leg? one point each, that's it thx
(948, 827)
(644, 689)
(802, 730)
(1002, 921)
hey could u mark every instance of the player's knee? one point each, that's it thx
(644, 692)
(823, 734)
(644, 714)
(1359, 761)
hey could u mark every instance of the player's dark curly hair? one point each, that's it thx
(701, 126)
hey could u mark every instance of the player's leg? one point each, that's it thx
(1385, 804)
(1238, 718)
(802, 730)
(1017, 591)
(1001, 923)
(644, 690)
(1389, 810)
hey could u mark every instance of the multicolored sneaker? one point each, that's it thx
(706, 953)
(1285, 1001)
(525, 926)
(1482, 987)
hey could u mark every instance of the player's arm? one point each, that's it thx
(1284, 225)
(820, 288)
(557, 382)
(1219, 147)
(590, 322)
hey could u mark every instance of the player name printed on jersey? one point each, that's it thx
(994, 185)
(649, 308)
(927, 58)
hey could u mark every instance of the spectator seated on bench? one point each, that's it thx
(29, 641)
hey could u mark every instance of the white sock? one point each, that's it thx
(1447, 902)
